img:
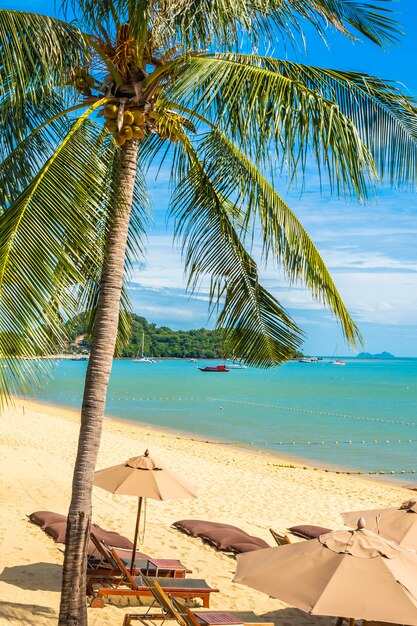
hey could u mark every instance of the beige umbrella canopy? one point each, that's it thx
(343, 573)
(397, 524)
(141, 476)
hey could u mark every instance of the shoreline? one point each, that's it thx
(275, 458)
(235, 486)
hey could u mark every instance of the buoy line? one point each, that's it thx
(333, 442)
(400, 422)
(346, 472)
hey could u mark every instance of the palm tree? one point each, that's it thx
(73, 194)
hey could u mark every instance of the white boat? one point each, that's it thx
(143, 359)
(308, 359)
(237, 365)
(336, 361)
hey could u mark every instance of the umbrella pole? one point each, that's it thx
(135, 541)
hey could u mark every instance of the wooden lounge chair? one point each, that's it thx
(134, 586)
(144, 564)
(172, 609)
(280, 540)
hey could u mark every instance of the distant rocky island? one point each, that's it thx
(381, 355)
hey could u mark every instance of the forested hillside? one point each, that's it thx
(159, 341)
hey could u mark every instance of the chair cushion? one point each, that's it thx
(57, 531)
(44, 518)
(195, 527)
(222, 536)
(112, 539)
(240, 548)
(55, 525)
(306, 531)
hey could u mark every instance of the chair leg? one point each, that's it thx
(97, 603)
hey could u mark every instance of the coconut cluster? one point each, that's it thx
(82, 81)
(133, 123)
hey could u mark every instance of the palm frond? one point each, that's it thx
(264, 110)
(283, 236)
(43, 235)
(36, 53)
(24, 149)
(386, 119)
(221, 23)
(370, 20)
(254, 324)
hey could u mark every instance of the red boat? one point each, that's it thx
(217, 368)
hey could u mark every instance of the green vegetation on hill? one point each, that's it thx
(164, 342)
(159, 341)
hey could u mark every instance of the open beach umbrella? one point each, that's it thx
(142, 477)
(397, 524)
(344, 573)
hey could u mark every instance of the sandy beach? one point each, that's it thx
(37, 450)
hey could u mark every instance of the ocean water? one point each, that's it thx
(361, 417)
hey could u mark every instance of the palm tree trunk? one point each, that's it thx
(73, 609)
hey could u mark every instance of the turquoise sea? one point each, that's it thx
(299, 410)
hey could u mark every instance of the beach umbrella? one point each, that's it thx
(397, 524)
(141, 476)
(344, 573)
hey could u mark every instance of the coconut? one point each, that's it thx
(89, 80)
(138, 132)
(111, 125)
(80, 83)
(119, 139)
(128, 118)
(126, 132)
(138, 117)
(111, 111)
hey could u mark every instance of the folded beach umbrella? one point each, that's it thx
(344, 573)
(397, 524)
(142, 477)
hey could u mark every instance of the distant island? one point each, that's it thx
(381, 355)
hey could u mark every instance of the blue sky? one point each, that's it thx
(369, 249)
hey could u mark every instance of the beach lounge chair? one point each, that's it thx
(280, 540)
(172, 609)
(134, 586)
(144, 564)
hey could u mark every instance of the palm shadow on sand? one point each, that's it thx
(34, 577)
(28, 614)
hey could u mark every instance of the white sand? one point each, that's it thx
(37, 450)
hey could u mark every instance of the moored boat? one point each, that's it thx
(237, 365)
(217, 368)
(143, 358)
